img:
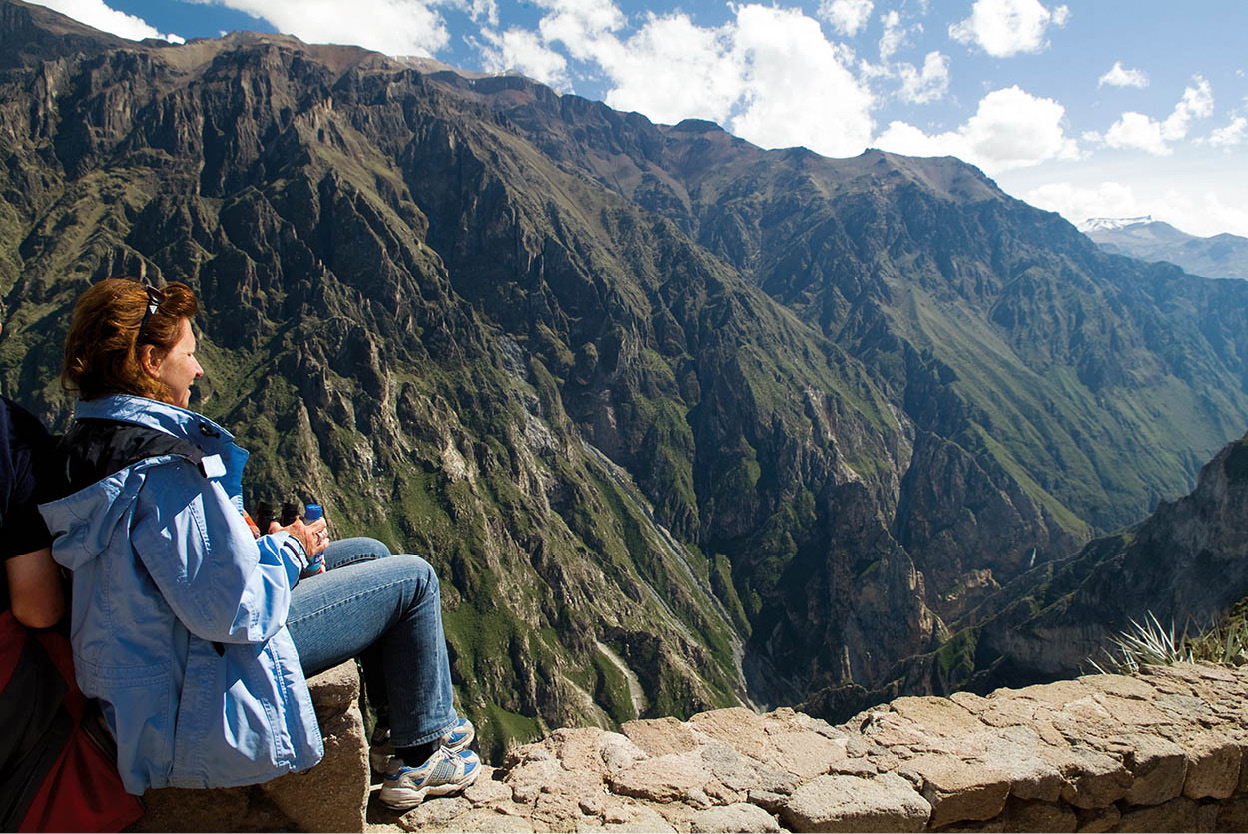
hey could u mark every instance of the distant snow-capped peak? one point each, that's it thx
(1109, 224)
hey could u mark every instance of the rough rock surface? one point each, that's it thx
(1162, 751)
(1101, 753)
(329, 797)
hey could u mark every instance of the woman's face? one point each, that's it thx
(179, 368)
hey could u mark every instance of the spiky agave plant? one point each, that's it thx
(1225, 643)
(1147, 644)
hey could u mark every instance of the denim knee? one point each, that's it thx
(419, 570)
(352, 550)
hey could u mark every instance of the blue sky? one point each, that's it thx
(1094, 108)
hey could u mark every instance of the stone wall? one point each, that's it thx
(1158, 752)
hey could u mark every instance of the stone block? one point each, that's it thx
(217, 809)
(957, 789)
(1096, 820)
(663, 779)
(941, 716)
(850, 803)
(487, 790)
(1093, 779)
(1176, 815)
(1132, 712)
(332, 795)
(1213, 764)
(660, 736)
(329, 797)
(734, 771)
(738, 727)
(579, 749)
(618, 752)
(1158, 769)
(803, 753)
(1033, 815)
(1019, 754)
(642, 820)
(1124, 686)
(431, 814)
(1054, 695)
(1233, 815)
(487, 821)
(741, 817)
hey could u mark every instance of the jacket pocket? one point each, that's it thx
(226, 724)
(139, 704)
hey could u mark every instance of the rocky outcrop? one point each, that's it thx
(1158, 752)
(1164, 751)
(329, 797)
(1186, 565)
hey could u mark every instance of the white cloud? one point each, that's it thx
(99, 15)
(1119, 76)
(1135, 130)
(1197, 212)
(926, 85)
(1140, 132)
(393, 27)
(1233, 134)
(583, 26)
(1077, 204)
(481, 10)
(1007, 27)
(523, 51)
(1011, 129)
(1197, 103)
(798, 91)
(1222, 216)
(769, 76)
(672, 69)
(894, 36)
(846, 16)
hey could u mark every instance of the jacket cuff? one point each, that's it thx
(292, 550)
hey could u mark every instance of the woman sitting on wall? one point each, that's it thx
(195, 634)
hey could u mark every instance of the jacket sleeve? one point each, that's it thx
(221, 582)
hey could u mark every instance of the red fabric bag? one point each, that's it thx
(56, 771)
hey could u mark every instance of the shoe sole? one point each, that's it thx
(407, 799)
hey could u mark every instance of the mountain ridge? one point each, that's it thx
(1218, 256)
(757, 422)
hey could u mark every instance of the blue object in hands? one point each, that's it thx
(316, 564)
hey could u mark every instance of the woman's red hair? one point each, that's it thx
(104, 345)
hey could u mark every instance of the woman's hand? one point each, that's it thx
(314, 537)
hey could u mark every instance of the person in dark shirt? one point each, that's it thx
(30, 585)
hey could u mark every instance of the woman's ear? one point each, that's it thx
(150, 360)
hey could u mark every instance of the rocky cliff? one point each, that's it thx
(1185, 566)
(681, 422)
(1163, 751)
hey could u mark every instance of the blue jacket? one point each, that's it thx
(179, 613)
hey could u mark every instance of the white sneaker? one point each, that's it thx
(442, 774)
(381, 751)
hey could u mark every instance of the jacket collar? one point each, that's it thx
(179, 422)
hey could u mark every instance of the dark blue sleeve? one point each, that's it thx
(24, 447)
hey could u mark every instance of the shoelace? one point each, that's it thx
(444, 770)
(434, 767)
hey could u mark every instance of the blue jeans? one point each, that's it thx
(387, 609)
